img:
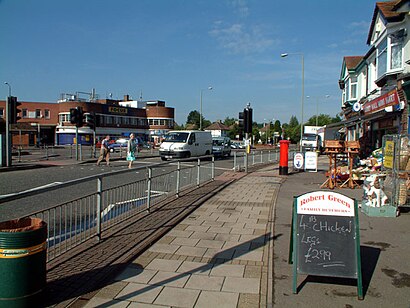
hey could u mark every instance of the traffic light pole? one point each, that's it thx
(8, 152)
(76, 142)
(246, 152)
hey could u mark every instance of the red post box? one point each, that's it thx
(283, 158)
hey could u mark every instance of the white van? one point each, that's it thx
(185, 143)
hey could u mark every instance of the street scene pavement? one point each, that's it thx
(226, 244)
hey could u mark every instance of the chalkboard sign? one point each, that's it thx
(325, 237)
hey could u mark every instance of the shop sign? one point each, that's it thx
(117, 110)
(389, 99)
(388, 154)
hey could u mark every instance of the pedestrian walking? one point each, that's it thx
(132, 149)
(105, 151)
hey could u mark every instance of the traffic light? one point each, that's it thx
(14, 110)
(76, 116)
(90, 120)
(73, 115)
(241, 121)
(247, 120)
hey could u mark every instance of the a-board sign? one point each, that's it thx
(325, 237)
(298, 161)
(311, 161)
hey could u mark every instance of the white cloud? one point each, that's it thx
(239, 40)
(359, 27)
(240, 7)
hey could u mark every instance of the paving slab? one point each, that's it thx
(177, 297)
(217, 299)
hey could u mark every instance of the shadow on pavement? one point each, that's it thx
(54, 295)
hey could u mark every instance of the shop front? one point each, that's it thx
(381, 116)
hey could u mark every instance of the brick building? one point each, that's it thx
(49, 123)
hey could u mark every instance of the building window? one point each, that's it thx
(63, 117)
(347, 91)
(396, 53)
(353, 88)
(47, 113)
(109, 120)
(38, 113)
(24, 113)
(2, 112)
(382, 58)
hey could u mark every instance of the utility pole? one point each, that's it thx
(8, 143)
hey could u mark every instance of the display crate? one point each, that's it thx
(382, 211)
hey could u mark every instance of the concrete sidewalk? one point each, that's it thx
(226, 244)
(232, 251)
(219, 256)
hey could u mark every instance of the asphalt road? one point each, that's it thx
(21, 180)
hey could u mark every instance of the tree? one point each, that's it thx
(277, 127)
(178, 127)
(292, 130)
(229, 121)
(322, 119)
(256, 134)
(234, 131)
(193, 119)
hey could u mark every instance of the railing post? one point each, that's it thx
(81, 151)
(269, 156)
(234, 161)
(198, 181)
(149, 189)
(71, 151)
(99, 207)
(213, 168)
(178, 177)
(261, 157)
(253, 158)
(46, 146)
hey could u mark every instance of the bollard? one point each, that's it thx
(284, 158)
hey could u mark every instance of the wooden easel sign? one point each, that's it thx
(325, 237)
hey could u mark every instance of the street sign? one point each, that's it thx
(298, 161)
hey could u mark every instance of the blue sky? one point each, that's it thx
(171, 50)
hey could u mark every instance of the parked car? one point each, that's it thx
(121, 144)
(98, 144)
(221, 146)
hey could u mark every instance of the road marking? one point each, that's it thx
(31, 189)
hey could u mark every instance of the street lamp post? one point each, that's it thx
(8, 152)
(200, 107)
(283, 55)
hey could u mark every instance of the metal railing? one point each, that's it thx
(257, 157)
(75, 221)
(85, 152)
